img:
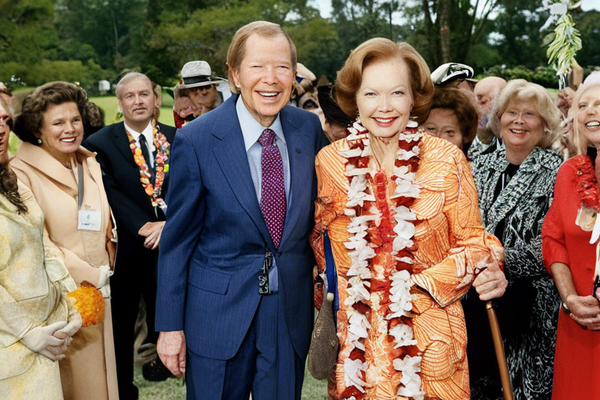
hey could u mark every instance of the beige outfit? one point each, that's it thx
(89, 371)
(33, 287)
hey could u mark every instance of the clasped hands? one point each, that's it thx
(585, 310)
(52, 340)
(151, 231)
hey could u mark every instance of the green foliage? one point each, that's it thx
(545, 76)
(516, 30)
(87, 40)
(562, 50)
(26, 30)
(87, 75)
(111, 28)
(588, 24)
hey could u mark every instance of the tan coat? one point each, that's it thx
(33, 287)
(89, 371)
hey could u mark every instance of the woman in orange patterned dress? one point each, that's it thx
(398, 209)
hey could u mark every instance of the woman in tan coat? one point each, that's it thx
(67, 183)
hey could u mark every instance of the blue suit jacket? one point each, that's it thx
(214, 242)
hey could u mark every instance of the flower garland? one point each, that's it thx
(161, 164)
(587, 186)
(381, 253)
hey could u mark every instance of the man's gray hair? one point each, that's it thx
(128, 77)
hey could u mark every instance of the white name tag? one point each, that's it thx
(89, 220)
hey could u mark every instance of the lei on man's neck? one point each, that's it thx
(161, 164)
(381, 250)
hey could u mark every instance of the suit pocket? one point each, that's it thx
(209, 280)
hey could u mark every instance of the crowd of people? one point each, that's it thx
(408, 203)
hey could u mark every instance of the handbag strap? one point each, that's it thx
(330, 272)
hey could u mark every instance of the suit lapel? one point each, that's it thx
(233, 160)
(122, 143)
(301, 167)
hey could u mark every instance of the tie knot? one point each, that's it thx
(142, 139)
(267, 137)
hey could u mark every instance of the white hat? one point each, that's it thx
(198, 73)
(450, 72)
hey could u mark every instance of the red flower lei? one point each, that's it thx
(161, 164)
(587, 184)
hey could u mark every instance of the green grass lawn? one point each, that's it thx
(174, 388)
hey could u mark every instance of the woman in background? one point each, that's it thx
(571, 257)
(453, 117)
(515, 184)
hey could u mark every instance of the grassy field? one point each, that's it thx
(174, 388)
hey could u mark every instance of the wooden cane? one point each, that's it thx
(500, 356)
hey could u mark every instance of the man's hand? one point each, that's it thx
(171, 350)
(151, 231)
(491, 283)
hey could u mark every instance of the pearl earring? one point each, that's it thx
(39, 140)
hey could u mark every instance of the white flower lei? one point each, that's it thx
(359, 273)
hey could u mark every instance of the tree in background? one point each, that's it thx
(88, 40)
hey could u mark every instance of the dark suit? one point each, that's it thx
(135, 270)
(214, 243)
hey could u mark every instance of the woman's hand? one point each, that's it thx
(42, 340)
(491, 283)
(585, 310)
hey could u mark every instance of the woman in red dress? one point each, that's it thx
(570, 246)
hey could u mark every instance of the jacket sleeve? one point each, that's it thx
(554, 246)
(472, 247)
(180, 235)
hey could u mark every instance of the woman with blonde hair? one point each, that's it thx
(570, 248)
(515, 185)
(397, 211)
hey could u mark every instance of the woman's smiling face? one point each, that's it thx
(384, 99)
(588, 115)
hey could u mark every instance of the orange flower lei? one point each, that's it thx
(161, 164)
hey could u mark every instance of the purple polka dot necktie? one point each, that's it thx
(272, 197)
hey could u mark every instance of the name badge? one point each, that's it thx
(89, 220)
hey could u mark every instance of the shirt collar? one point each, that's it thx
(252, 129)
(148, 131)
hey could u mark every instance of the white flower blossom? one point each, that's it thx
(352, 374)
(403, 336)
(411, 380)
(400, 297)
